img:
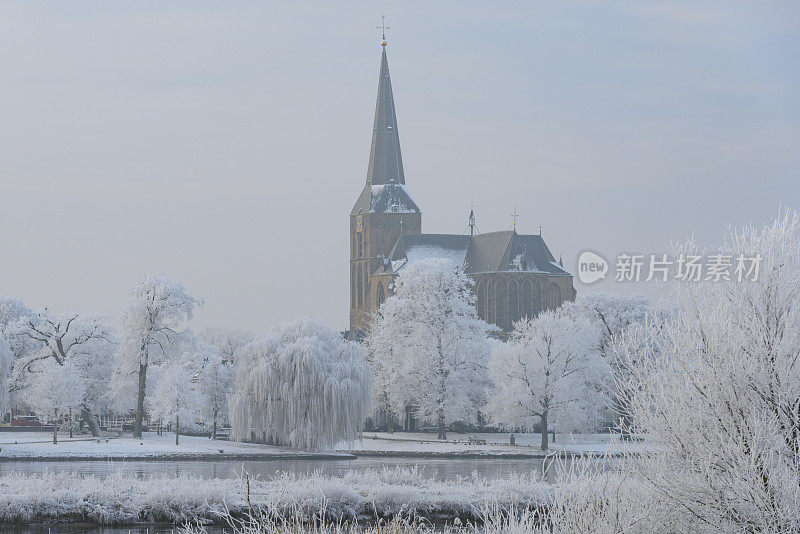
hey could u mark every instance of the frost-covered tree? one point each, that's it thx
(429, 348)
(6, 361)
(547, 374)
(86, 342)
(215, 385)
(717, 392)
(173, 397)
(12, 310)
(614, 315)
(155, 310)
(300, 385)
(389, 397)
(226, 341)
(54, 389)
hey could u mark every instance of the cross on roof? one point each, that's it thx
(383, 27)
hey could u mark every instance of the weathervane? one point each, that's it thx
(515, 216)
(383, 27)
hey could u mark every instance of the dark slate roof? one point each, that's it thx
(385, 161)
(388, 198)
(492, 252)
(489, 252)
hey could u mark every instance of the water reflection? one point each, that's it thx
(437, 469)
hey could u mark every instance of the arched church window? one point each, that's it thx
(513, 301)
(500, 306)
(526, 306)
(353, 284)
(489, 300)
(381, 295)
(478, 288)
(555, 296)
(360, 286)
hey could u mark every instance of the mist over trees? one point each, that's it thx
(427, 354)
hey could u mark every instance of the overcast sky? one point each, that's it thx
(225, 143)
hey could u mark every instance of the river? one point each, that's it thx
(439, 469)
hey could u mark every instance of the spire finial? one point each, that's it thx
(515, 216)
(471, 220)
(383, 27)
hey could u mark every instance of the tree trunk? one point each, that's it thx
(442, 433)
(177, 433)
(389, 422)
(55, 427)
(554, 435)
(137, 428)
(544, 431)
(70, 423)
(214, 432)
(91, 420)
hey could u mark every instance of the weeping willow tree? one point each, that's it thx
(300, 385)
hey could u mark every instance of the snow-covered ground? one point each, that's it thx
(426, 444)
(39, 445)
(124, 499)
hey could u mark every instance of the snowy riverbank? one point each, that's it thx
(123, 499)
(39, 446)
(418, 444)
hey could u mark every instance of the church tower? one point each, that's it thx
(384, 210)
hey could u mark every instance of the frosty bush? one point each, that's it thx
(716, 390)
(355, 496)
(300, 385)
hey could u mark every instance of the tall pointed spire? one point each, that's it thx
(385, 161)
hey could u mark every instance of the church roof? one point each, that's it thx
(491, 252)
(387, 198)
(385, 161)
(413, 247)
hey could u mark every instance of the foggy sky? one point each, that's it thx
(225, 143)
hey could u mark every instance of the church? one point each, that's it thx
(515, 275)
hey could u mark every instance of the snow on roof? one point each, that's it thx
(391, 198)
(559, 267)
(422, 246)
(457, 256)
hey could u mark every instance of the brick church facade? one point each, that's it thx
(515, 275)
